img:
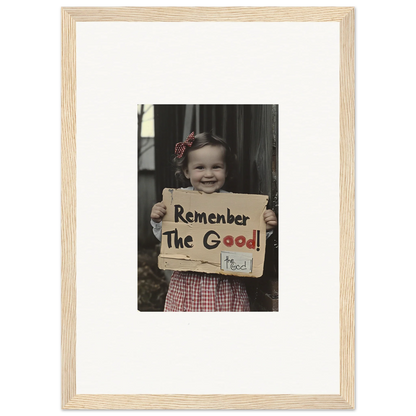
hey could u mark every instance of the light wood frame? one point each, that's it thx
(346, 398)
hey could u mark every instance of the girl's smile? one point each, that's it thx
(207, 169)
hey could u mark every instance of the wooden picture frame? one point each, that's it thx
(346, 398)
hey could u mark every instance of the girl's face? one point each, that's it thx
(206, 168)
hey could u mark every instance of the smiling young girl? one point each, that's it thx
(206, 161)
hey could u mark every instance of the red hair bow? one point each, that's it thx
(181, 146)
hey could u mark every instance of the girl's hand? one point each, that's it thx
(270, 219)
(158, 212)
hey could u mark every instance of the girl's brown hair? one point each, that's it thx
(201, 140)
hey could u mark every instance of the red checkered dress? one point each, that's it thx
(201, 292)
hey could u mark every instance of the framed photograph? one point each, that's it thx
(254, 101)
(237, 232)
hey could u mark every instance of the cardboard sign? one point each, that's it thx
(220, 233)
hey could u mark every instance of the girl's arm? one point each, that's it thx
(157, 229)
(156, 216)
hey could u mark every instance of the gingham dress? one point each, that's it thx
(201, 292)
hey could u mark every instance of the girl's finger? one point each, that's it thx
(269, 215)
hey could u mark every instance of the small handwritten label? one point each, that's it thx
(236, 262)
